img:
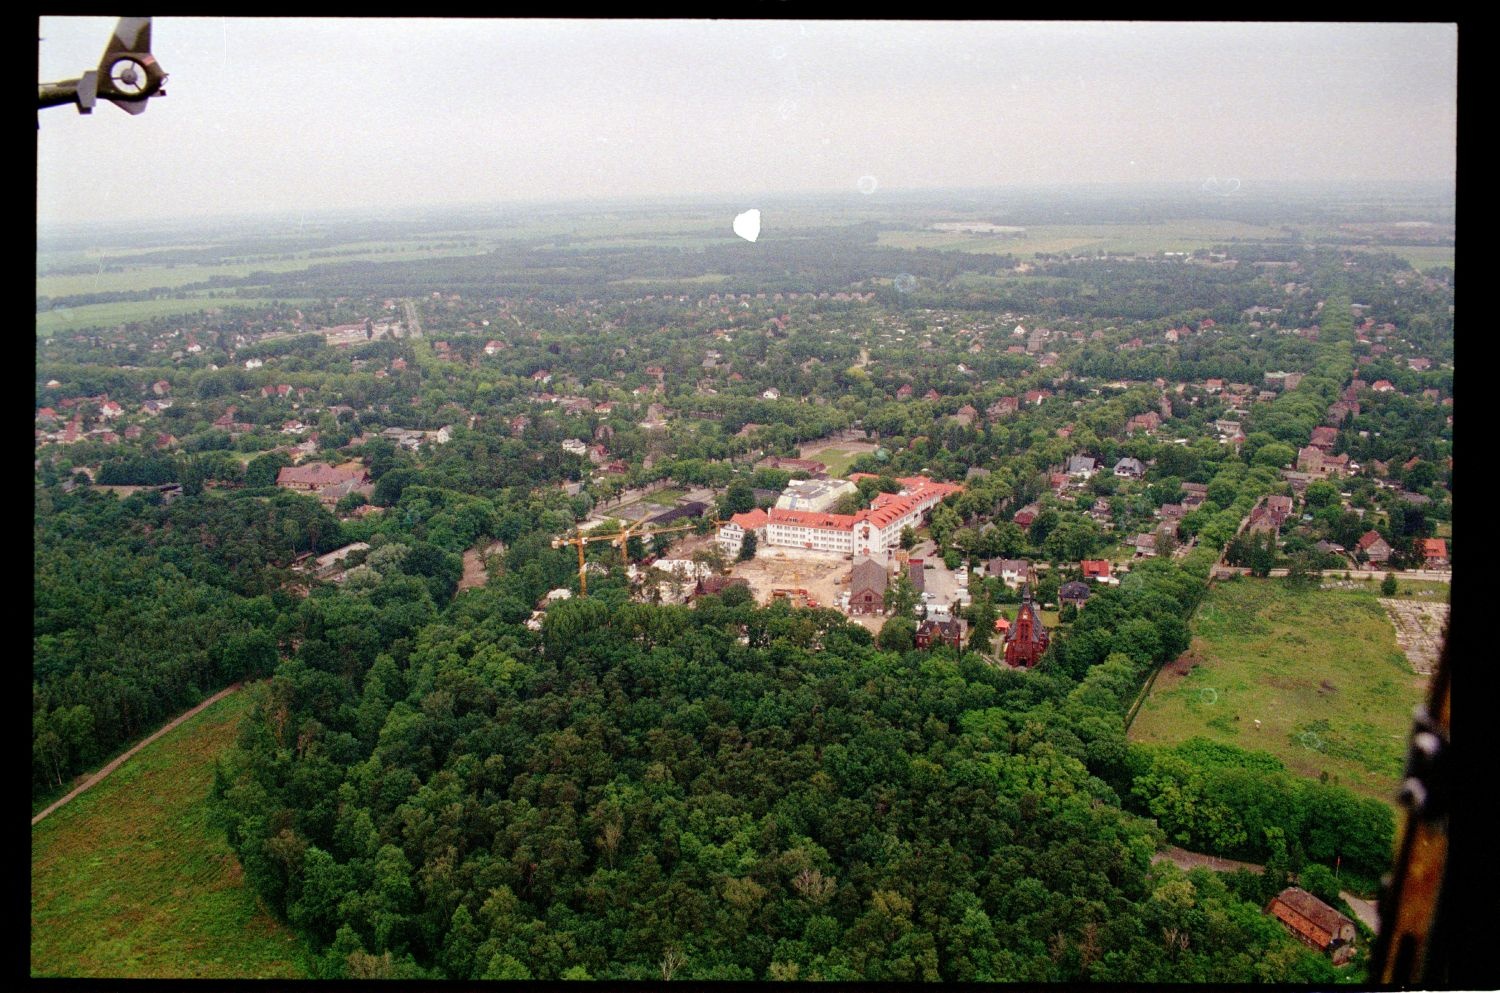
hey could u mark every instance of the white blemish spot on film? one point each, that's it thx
(747, 225)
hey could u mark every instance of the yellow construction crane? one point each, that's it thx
(619, 539)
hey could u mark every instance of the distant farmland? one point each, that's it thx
(1319, 669)
(132, 880)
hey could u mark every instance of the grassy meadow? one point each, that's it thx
(1319, 669)
(97, 315)
(1170, 236)
(141, 277)
(131, 879)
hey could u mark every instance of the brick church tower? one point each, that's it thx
(1027, 638)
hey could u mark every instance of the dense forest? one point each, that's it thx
(452, 784)
(733, 792)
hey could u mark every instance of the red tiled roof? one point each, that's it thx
(750, 520)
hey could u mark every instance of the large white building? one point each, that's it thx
(875, 531)
(814, 494)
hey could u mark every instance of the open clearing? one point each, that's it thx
(1320, 669)
(823, 574)
(106, 315)
(838, 456)
(120, 277)
(131, 879)
(475, 573)
(1171, 236)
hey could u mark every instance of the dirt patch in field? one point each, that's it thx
(1419, 630)
(1181, 665)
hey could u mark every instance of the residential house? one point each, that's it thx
(1145, 545)
(1098, 570)
(1011, 572)
(1279, 507)
(1434, 552)
(931, 634)
(1027, 514)
(1074, 593)
(1082, 466)
(1375, 548)
(1129, 468)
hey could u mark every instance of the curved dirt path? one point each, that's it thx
(1365, 910)
(120, 760)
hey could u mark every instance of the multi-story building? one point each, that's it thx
(874, 531)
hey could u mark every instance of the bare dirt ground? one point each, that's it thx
(811, 449)
(1419, 630)
(474, 571)
(823, 574)
(1181, 665)
(116, 763)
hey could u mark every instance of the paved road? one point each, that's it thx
(112, 766)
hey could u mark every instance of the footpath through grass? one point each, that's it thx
(1318, 668)
(132, 880)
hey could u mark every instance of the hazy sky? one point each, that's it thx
(290, 114)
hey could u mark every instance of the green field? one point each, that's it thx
(1421, 257)
(132, 880)
(97, 315)
(1171, 236)
(667, 497)
(170, 276)
(837, 460)
(1319, 669)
